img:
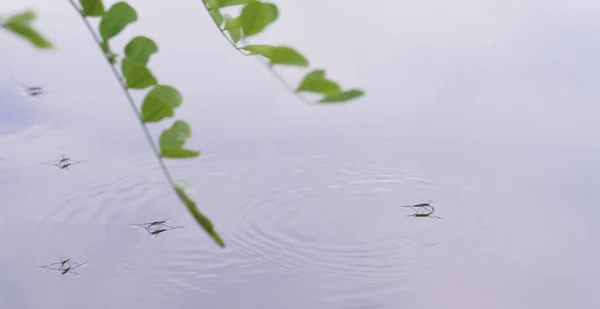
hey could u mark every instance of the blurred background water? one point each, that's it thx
(488, 109)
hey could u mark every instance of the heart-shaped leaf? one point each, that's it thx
(256, 16)
(116, 19)
(139, 49)
(160, 103)
(137, 75)
(172, 140)
(316, 82)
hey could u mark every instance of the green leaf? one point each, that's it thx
(137, 75)
(139, 49)
(172, 140)
(30, 34)
(287, 56)
(176, 135)
(216, 16)
(236, 32)
(126, 65)
(160, 103)
(342, 96)
(260, 49)
(316, 82)
(232, 23)
(92, 8)
(205, 223)
(116, 19)
(278, 55)
(25, 17)
(256, 16)
(226, 3)
(19, 24)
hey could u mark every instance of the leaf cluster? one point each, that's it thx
(255, 16)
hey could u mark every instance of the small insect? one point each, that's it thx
(422, 210)
(65, 266)
(33, 91)
(156, 227)
(29, 90)
(63, 163)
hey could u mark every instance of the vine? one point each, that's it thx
(162, 99)
(256, 16)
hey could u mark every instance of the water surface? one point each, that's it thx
(308, 199)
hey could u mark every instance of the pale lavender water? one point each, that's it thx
(488, 110)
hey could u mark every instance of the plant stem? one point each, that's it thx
(127, 95)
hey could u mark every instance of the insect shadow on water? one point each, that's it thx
(65, 266)
(63, 163)
(423, 210)
(157, 227)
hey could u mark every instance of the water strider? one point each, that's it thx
(422, 210)
(65, 266)
(63, 163)
(33, 91)
(156, 227)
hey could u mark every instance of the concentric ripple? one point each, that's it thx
(335, 227)
(326, 231)
(96, 197)
(349, 228)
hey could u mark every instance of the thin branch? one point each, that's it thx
(127, 94)
(278, 76)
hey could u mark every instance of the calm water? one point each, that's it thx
(500, 136)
